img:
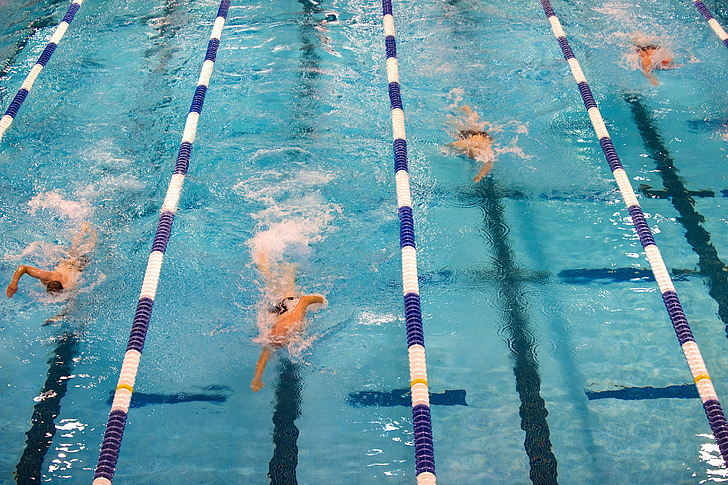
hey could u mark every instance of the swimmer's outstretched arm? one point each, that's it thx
(44, 276)
(257, 383)
(484, 170)
(648, 74)
(291, 321)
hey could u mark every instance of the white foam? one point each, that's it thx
(54, 202)
(41, 252)
(291, 238)
(455, 96)
(295, 214)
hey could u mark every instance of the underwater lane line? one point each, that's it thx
(40, 436)
(709, 262)
(684, 334)
(521, 342)
(12, 110)
(282, 466)
(122, 397)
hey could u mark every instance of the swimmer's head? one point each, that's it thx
(54, 287)
(647, 47)
(282, 306)
(466, 134)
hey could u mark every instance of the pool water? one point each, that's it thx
(543, 337)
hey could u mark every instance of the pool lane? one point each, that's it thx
(711, 267)
(511, 281)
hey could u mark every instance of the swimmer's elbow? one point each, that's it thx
(314, 299)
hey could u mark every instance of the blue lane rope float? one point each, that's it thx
(421, 420)
(712, 407)
(711, 21)
(125, 386)
(12, 110)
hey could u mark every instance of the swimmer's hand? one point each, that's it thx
(12, 289)
(317, 302)
(256, 385)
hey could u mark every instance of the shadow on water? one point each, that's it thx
(40, 435)
(282, 467)
(520, 339)
(711, 267)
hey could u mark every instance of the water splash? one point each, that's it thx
(294, 215)
(53, 203)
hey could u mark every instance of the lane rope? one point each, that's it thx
(421, 419)
(125, 387)
(708, 396)
(12, 110)
(720, 32)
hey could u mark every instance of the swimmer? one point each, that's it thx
(290, 322)
(475, 143)
(289, 313)
(653, 57)
(66, 273)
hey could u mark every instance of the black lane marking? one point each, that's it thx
(699, 239)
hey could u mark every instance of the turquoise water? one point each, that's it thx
(293, 157)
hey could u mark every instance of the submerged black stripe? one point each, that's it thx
(306, 102)
(521, 341)
(709, 263)
(40, 435)
(282, 467)
(403, 397)
(683, 391)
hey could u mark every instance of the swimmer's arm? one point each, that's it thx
(646, 62)
(299, 311)
(42, 275)
(487, 166)
(461, 144)
(291, 321)
(652, 78)
(257, 383)
(88, 236)
(307, 300)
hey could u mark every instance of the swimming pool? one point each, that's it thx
(530, 280)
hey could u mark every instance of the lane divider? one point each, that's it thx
(421, 419)
(712, 407)
(711, 21)
(12, 110)
(125, 387)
